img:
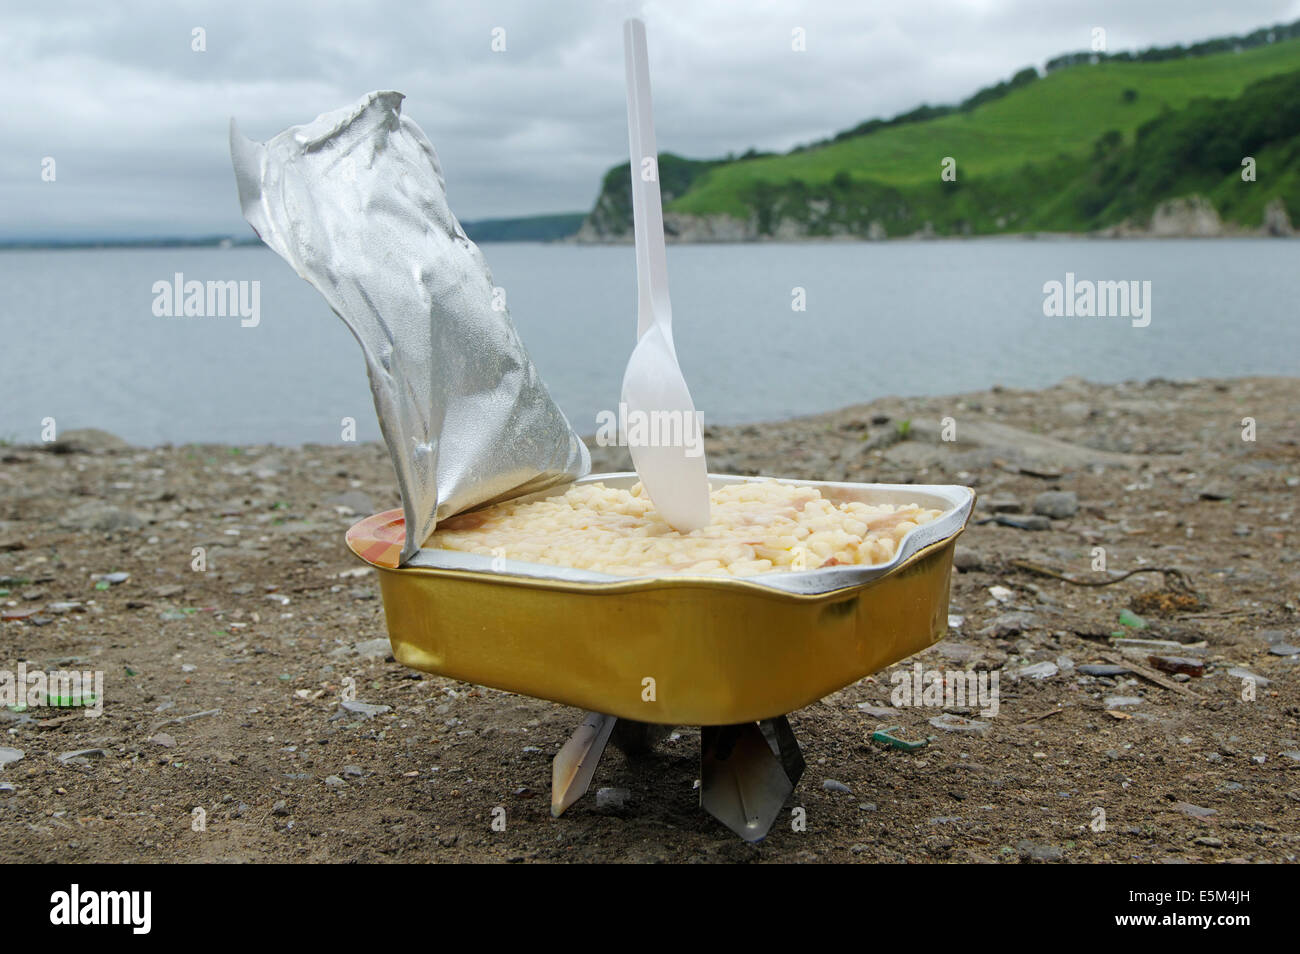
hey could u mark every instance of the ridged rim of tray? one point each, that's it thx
(378, 541)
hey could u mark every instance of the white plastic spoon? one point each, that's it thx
(657, 401)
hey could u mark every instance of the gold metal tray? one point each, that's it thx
(676, 650)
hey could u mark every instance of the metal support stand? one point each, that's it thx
(575, 763)
(747, 771)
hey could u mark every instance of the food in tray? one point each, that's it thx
(755, 527)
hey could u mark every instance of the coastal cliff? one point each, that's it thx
(1121, 147)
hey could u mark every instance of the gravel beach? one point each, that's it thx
(1152, 718)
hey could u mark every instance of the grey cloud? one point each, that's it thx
(137, 121)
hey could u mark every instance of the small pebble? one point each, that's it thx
(1032, 522)
(612, 799)
(1042, 670)
(960, 725)
(1032, 851)
(363, 709)
(1243, 674)
(1057, 504)
(1119, 702)
(79, 754)
(1099, 669)
(877, 712)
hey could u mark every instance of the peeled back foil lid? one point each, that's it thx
(355, 202)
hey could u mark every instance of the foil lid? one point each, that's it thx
(355, 201)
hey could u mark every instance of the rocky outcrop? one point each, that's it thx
(602, 226)
(1190, 217)
(678, 227)
(1194, 217)
(709, 228)
(817, 219)
(591, 233)
(685, 228)
(1276, 221)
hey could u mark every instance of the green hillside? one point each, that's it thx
(1049, 153)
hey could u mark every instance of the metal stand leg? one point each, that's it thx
(747, 772)
(781, 738)
(575, 763)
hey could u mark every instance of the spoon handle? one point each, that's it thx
(647, 205)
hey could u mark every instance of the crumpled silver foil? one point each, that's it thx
(355, 201)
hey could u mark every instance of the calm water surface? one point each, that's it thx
(79, 341)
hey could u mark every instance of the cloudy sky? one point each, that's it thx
(136, 119)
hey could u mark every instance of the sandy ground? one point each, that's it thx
(223, 686)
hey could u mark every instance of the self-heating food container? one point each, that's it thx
(681, 650)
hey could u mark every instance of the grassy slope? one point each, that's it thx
(1060, 115)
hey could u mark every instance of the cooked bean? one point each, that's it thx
(755, 527)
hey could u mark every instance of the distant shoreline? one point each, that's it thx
(74, 246)
(82, 244)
